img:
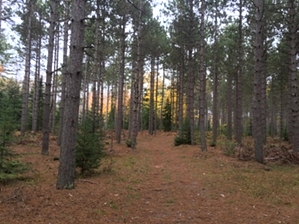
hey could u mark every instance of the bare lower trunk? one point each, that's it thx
(67, 164)
(215, 80)
(26, 81)
(152, 90)
(119, 122)
(258, 75)
(64, 70)
(293, 89)
(36, 95)
(202, 79)
(47, 107)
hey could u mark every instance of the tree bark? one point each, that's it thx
(215, 79)
(55, 83)
(239, 80)
(67, 162)
(36, 96)
(180, 86)
(152, 100)
(293, 88)
(202, 79)
(229, 106)
(47, 101)
(136, 84)
(121, 75)
(257, 120)
(64, 70)
(190, 98)
(26, 81)
(155, 113)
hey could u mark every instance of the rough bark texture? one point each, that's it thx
(26, 81)
(47, 101)
(293, 88)
(36, 95)
(181, 95)
(95, 98)
(229, 106)
(152, 100)
(66, 172)
(215, 80)
(190, 105)
(121, 75)
(258, 78)
(64, 70)
(239, 81)
(55, 82)
(136, 85)
(155, 113)
(202, 79)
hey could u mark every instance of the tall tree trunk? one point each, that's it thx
(64, 69)
(67, 162)
(132, 93)
(180, 86)
(190, 105)
(36, 95)
(121, 75)
(108, 104)
(156, 125)
(272, 111)
(293, 88)
(215, 78)
(257, 120)
(136, 85)
(101, 91)
(85, 87)
(173, 97)
(239, 79)
(26, 81)
(55, 82)
(47, 101)
(202, 79)
(95, 96)
(162, 96)
(152, 100)
(229, 106)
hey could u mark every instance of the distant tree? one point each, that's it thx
(122, 9)
(47, 109)
(166, 116)
(26, 79)
(202, 78)
(64, 68)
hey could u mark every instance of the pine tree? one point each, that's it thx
(166, 115)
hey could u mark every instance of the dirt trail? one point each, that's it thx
(158, 183)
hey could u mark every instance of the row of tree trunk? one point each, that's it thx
(73, 70)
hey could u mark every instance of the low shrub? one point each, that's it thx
(90, 147)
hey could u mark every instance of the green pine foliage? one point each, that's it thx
(185, 139)
(90, 146)
(10, 114)
(166, 116)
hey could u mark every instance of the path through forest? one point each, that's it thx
(157, 183)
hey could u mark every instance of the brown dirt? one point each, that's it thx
(157, 183)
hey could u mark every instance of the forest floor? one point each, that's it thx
(156, 183)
